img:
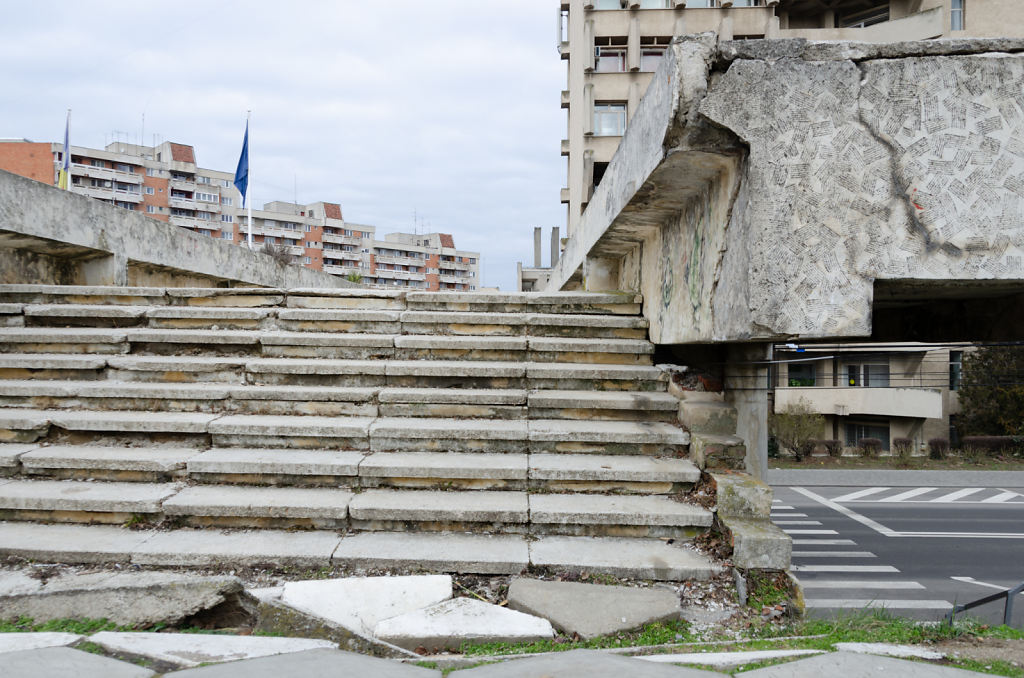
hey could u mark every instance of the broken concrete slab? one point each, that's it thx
(205, 548)
(359, 603)
(132, 422)
(435, 552)
(9, 456)
(704, 416)
(890, 650)
(583, 663)
(718, 451)
(85, 311)
(70, 543)
(592, 610)
(207, 313)
(741, 495)
(725, 660)
(16, 642)
(312, 664)
(138, 599)
(605, 400)
(185, 650)
(64, 662)
(453, 623)
(851, 665)
(622, 557)
(757, 543)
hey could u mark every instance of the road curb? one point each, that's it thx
(894, 478)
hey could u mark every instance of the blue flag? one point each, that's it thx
(242, 172)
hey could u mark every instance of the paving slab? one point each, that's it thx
(433, 506)
(612, 467)
(890, 650)
(726, 660)
(320, 663)
(206, 548)
(592, 610)
(436, 552)
(453, 623)
(84, 311)
(582, 664)
(50, 361)
(125, 598)
(259, 502)
(605, 400)
(359, 603)
(15, 642)
(132, 422)
(458, 429)
(602, 509)
(70, 543)
(153, 460)
(63, 662)
(852, 665)
(73, 495)
(320, 366)
(185, 650)
(232, 460)
(570, 430)
(509, 466)
(622, 557)
(279, 425)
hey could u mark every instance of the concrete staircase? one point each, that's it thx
(536, 420)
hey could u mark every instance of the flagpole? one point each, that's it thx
(248, 196)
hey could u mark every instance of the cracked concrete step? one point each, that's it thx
(607, 437)
(586, 325)
(84, 315)
(595, 377)
(83, 294)
(50, 366)
(428, 510)
(449, 347)
(453, 402)
(718, 451)
(519, 302)
(257, 466)
(467, 471)
(707, 416)
(455, 374)
(26, 425)
(220, 369)
(79, 501)
(149, 341)
(606, 473)
(220, 296)
(615, 405)
(622, 557)
(10, 454)
(457, 323)
(149, 464)
(426, 434)
(80, 340)
(339, 320)
(616, 515)
(585, 350)
(350, 433)
(316, 372)
(330, 401)
(265, 507)
(431, 552)
(327, 345)
(213, 317)
(341, 298)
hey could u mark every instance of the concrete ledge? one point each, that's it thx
(740, 495)
(757, 544)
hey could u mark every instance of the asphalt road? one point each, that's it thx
(913, 550)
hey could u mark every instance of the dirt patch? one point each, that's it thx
(984, 649)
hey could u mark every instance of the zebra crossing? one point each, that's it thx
(834, 575)
(931, 495)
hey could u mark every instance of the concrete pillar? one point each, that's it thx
(771, 28)
(536, 247)
(746, 389)
(633, 43)
(556, 246)
(111, 269)
(588, 45)
(600, 274)
(828, 19)
(725, 27)
(680, 23)
(588, 107)
(784, 20)
(588, 173)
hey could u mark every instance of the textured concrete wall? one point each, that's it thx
(770, 185)
(44, 229)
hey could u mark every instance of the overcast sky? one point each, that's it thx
(448, 108)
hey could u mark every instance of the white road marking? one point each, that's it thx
(833, 554)
(953, 496)
(1000, 498)
(797, 522)
(810, 531)
(861, 493)
(848, 584)
(788, 515)
(844, 568)
(972, 580)
(886, 603)
(824, 542)
(781, 507)
(909, 494)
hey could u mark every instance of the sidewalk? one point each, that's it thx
(894, 478)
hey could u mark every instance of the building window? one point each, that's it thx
(956, 365)
(608, 4)
(956, 15)
(856, 431)
(150, 209)
(227, 235)
(309, 228)
(307, 260)
(802, 374)
(122, 167)
(609, 59)
(225, 183)
(149, 190)
(650, 57)
(227, 218)
(226, 201)
(609, 119)
(877, 14)
(868, 376)
(202, 180)
(655, 4)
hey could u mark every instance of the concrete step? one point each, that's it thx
(307, 432)
(611, 473)
(521, 302)
(77, 501)
(84, 340)
(584, 377)
(353, 298)
(523, 324)
(610, 405)
(453, 403)
(401, 434)
(177, 369)
(83, 294)
(467, 471)
(718, 451)
(585, 350)
(427, 551)
(339, 320)
(83, 315)
(213, 317)
(707, 416)
(28, 425)
(354, 346)
(316, 372)
(434, 511)
(586, 325)
(265, 507)
(607, 437)
(50, 366)
(260, 466)
(132, 464)
(616, 515)
(428, 347)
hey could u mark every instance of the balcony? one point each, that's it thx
(564, 195)
(844, 401)
(342, 239)
(456, 265)
(455, 279)
(398, 275)
(921, 26)
(183, 184)
(403, 261)
(105, 173)
(192, 222)
(183, 203)
(127, 196)
(94, 192)
(343, 270)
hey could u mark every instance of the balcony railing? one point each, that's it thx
(403, 261)
(342, 239)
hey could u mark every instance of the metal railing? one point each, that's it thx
(1008, 594)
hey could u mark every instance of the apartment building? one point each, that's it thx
(165, 183)
(874, 391)
(612, 48)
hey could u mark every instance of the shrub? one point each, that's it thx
(869, 447)
(903, 448)
(991, 445)
(773, 448)
(833, 447)
(279, 253)
(795, 428)
(937, 448)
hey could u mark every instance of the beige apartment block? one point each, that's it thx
(166, 184)
(612, 48)
(875, 391)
